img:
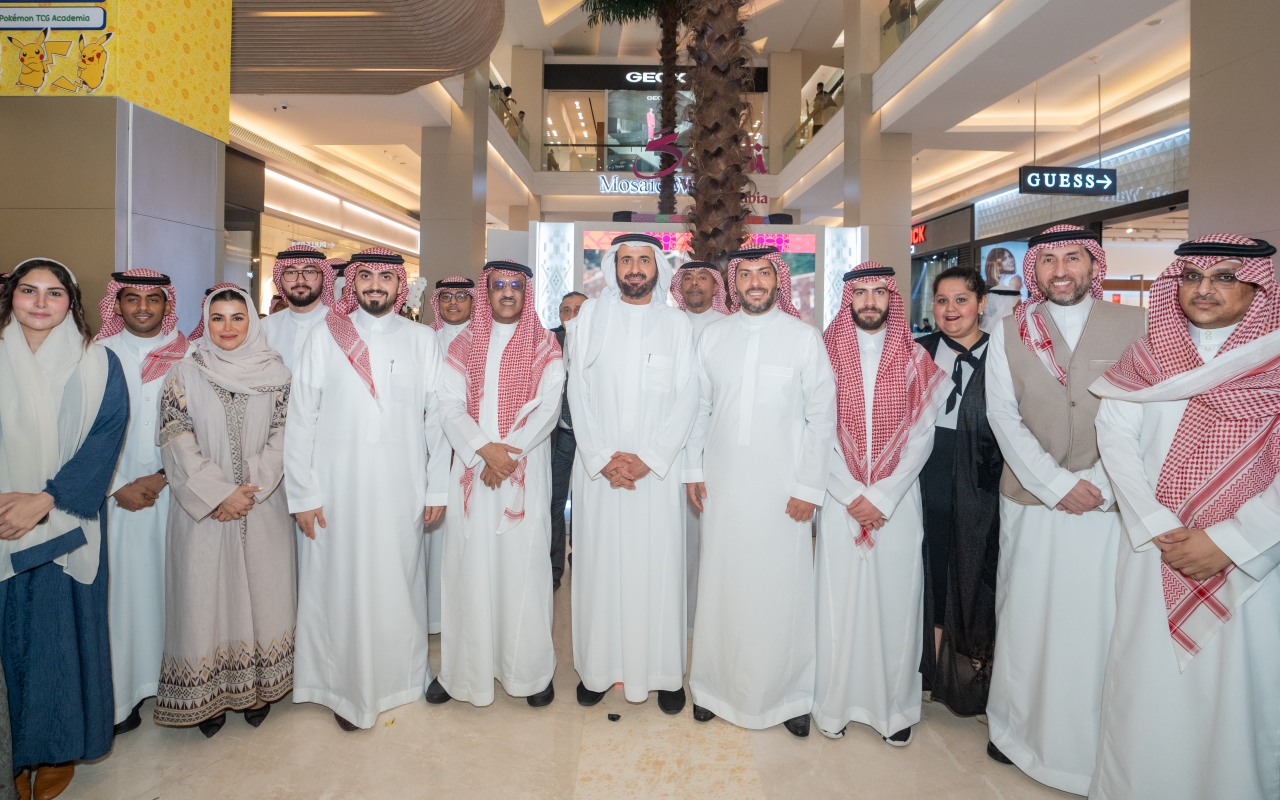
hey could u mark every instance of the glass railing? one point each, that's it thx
(899, 19)
(510, 119)
(820, 112)
(614, 158)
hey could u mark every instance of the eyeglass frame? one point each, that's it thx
(292, 274)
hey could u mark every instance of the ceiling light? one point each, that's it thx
(583, 124)
(576, 104)
(549, 122)
(579, 115)
(1128, 230)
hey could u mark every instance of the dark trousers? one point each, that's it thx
(563, 446)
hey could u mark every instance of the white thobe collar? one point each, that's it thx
(141, 346)
(302, 317)
(1070, 319)
(759, 320)
(1209, 341)
(869, 342)
(368, 322)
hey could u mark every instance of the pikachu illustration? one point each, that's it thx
(92, 68)
(36, 58)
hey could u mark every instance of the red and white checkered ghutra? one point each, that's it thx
(531, 348)
(1031, 325)
(718, 300)
(786, 300)
(338, 320)
(157, 362)
(1227, 445)
(905, 380)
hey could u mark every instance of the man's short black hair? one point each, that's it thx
(573, 294)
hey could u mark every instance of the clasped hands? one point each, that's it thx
(22, 511)
(1083, 497)
(866, 513)
(237, 505)
(141, 493)
(799, 510)
(498, 463)
(624, 469)
(1191, 552)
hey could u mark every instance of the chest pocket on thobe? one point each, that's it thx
(775, 386)
(659, 373)
(401, 388)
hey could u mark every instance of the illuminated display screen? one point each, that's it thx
(799, 250)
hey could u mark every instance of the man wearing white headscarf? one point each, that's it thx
(304, 279)
(757, 465)
(699, 292)
(366, 466)
(1059, 531)
(633, 398)
(139, 324)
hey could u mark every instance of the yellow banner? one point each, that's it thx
(170, 56)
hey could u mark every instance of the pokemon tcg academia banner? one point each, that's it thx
(170, 56)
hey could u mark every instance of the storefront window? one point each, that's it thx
(923, 271)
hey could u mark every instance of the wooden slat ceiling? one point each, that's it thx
(357, 46)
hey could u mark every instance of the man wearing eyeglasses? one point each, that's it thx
(305, 281)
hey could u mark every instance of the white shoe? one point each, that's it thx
(837, 735)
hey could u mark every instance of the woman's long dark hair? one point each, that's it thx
(64, 277)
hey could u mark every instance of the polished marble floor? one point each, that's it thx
(511, 751)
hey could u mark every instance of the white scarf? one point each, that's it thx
(49, 400)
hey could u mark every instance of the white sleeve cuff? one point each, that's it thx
(808, 494)
(692, 476)
(1229, 539)
(1060, 486)
(300, 504)
(878, 499)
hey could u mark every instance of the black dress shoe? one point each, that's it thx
(544, 697)
(996, 755)
(799, 726)
(671, 702)
(900, 739)
(255, 716)
(212, 725)
(131, 722)
(346, 724)
(701, 714)
(436, 693)
(586, 697)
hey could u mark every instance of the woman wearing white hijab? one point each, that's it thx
(230, 585)
(64, 408)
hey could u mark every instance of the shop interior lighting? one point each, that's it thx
(576, 104)
(549, 122)
(579, 115)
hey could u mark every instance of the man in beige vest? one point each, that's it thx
(1059, 529)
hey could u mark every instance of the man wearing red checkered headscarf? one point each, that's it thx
(756, 467)
(304, 278)
(140, 325)
(869, 562)
(366, 466)
(500, 398)
(1189, 431)
(451, 305)
(1059, 530)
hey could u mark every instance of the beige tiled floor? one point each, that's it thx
(511, 751)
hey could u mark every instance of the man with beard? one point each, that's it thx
(756, 466)
(500, 399)
(1059, 531)
(366, 466)
(633, 396)
(563, 445)
(1189, 431)
(139, 325)
(305, 280)
(699, 293)
(451, 304)
(869, 560)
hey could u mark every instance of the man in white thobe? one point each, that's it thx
(139, 324)
(756, 465)
(699, 292)
(366, 465)
(870, 534)
(1059, 532)
(633, 398)
(451, 304)
(304, 279)
(1189, 431)
(499, 399)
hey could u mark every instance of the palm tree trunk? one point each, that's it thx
(669, 24)
(719, 159)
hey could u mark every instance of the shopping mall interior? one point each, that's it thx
(222, 132)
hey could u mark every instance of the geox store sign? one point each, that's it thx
(613, 184)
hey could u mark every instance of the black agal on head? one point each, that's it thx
(340, 267)
(376, 258)
(698, 265)
(465, 283)
(309, 254)
(752, 253)
(139, 280)
(638, 238)
(1260, 249)
(1064, 236)
(871, 272)
(509, 266)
